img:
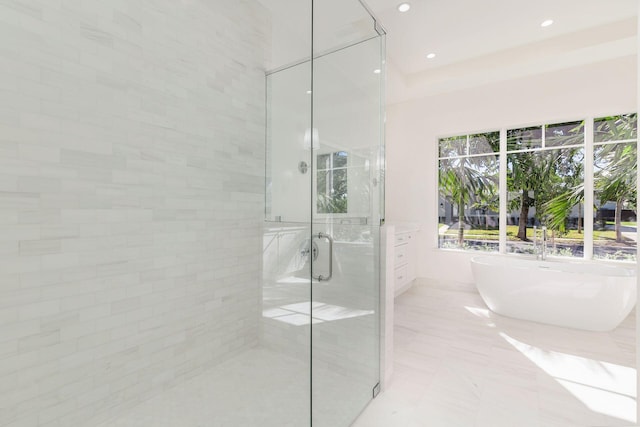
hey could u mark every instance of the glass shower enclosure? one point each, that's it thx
(142, 280)
(324, 208)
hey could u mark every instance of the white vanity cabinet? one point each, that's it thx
(400, 270)
(404, 261)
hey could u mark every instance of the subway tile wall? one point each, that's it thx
(131, 199)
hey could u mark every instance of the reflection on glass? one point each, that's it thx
(616, 128)
(332, 182)
(483, 143)
(468, 211)
(324, 161)
(453, 146)
(615, 192)
(524, 138)
(340, 159)
(570, 133)
(546, 188)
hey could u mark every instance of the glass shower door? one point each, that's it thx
(346, 211)
(324, 198)
(285, 326)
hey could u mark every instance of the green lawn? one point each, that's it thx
(625, 223)
(512, 231)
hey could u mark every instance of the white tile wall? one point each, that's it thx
(131, 199)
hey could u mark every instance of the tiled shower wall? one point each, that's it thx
(131, 199)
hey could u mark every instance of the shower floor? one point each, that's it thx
(257, 388)
(457, 364)
(260, 387)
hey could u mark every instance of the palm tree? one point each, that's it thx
(617, 181)
(487, 201)
(568, 191)
(616, 163)
(465, 179)
(532, 176)
(614, 179)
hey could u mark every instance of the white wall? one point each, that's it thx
(131, 199)
(413, 128)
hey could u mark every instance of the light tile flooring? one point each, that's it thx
(258, 388)
(458, 364)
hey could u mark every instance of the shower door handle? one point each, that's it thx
(320, 277)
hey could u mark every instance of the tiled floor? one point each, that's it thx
(247, 391)
(259, 388)
(458, 364)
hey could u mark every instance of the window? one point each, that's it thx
(614, 182)
(468, 191)
(545, 187)
(332, 182)
(546, 173)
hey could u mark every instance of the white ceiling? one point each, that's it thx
(461, 29)
(476, 41)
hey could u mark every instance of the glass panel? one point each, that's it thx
(570, 133)
(332, 194)
(616, 128)
(340, 159)
(324, 161)
(345, 310)
(524, 138)
(288, 145)
(453, 146)
(615, 222)
(339, 191)
(484, 143)
(546, 188)
(323, 186)
(469, 203)
(285, 320)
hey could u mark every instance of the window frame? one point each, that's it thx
(587, 146)
(466, 155)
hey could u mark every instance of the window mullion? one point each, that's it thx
(588, 188)
(503, 192)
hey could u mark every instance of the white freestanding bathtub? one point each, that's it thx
(580, 295)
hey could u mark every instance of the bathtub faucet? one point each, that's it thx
(540, 248)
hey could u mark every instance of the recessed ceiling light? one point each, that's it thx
(377, 71)
(431, 56)
(546, 22)
(308, 92)
(403, 7)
